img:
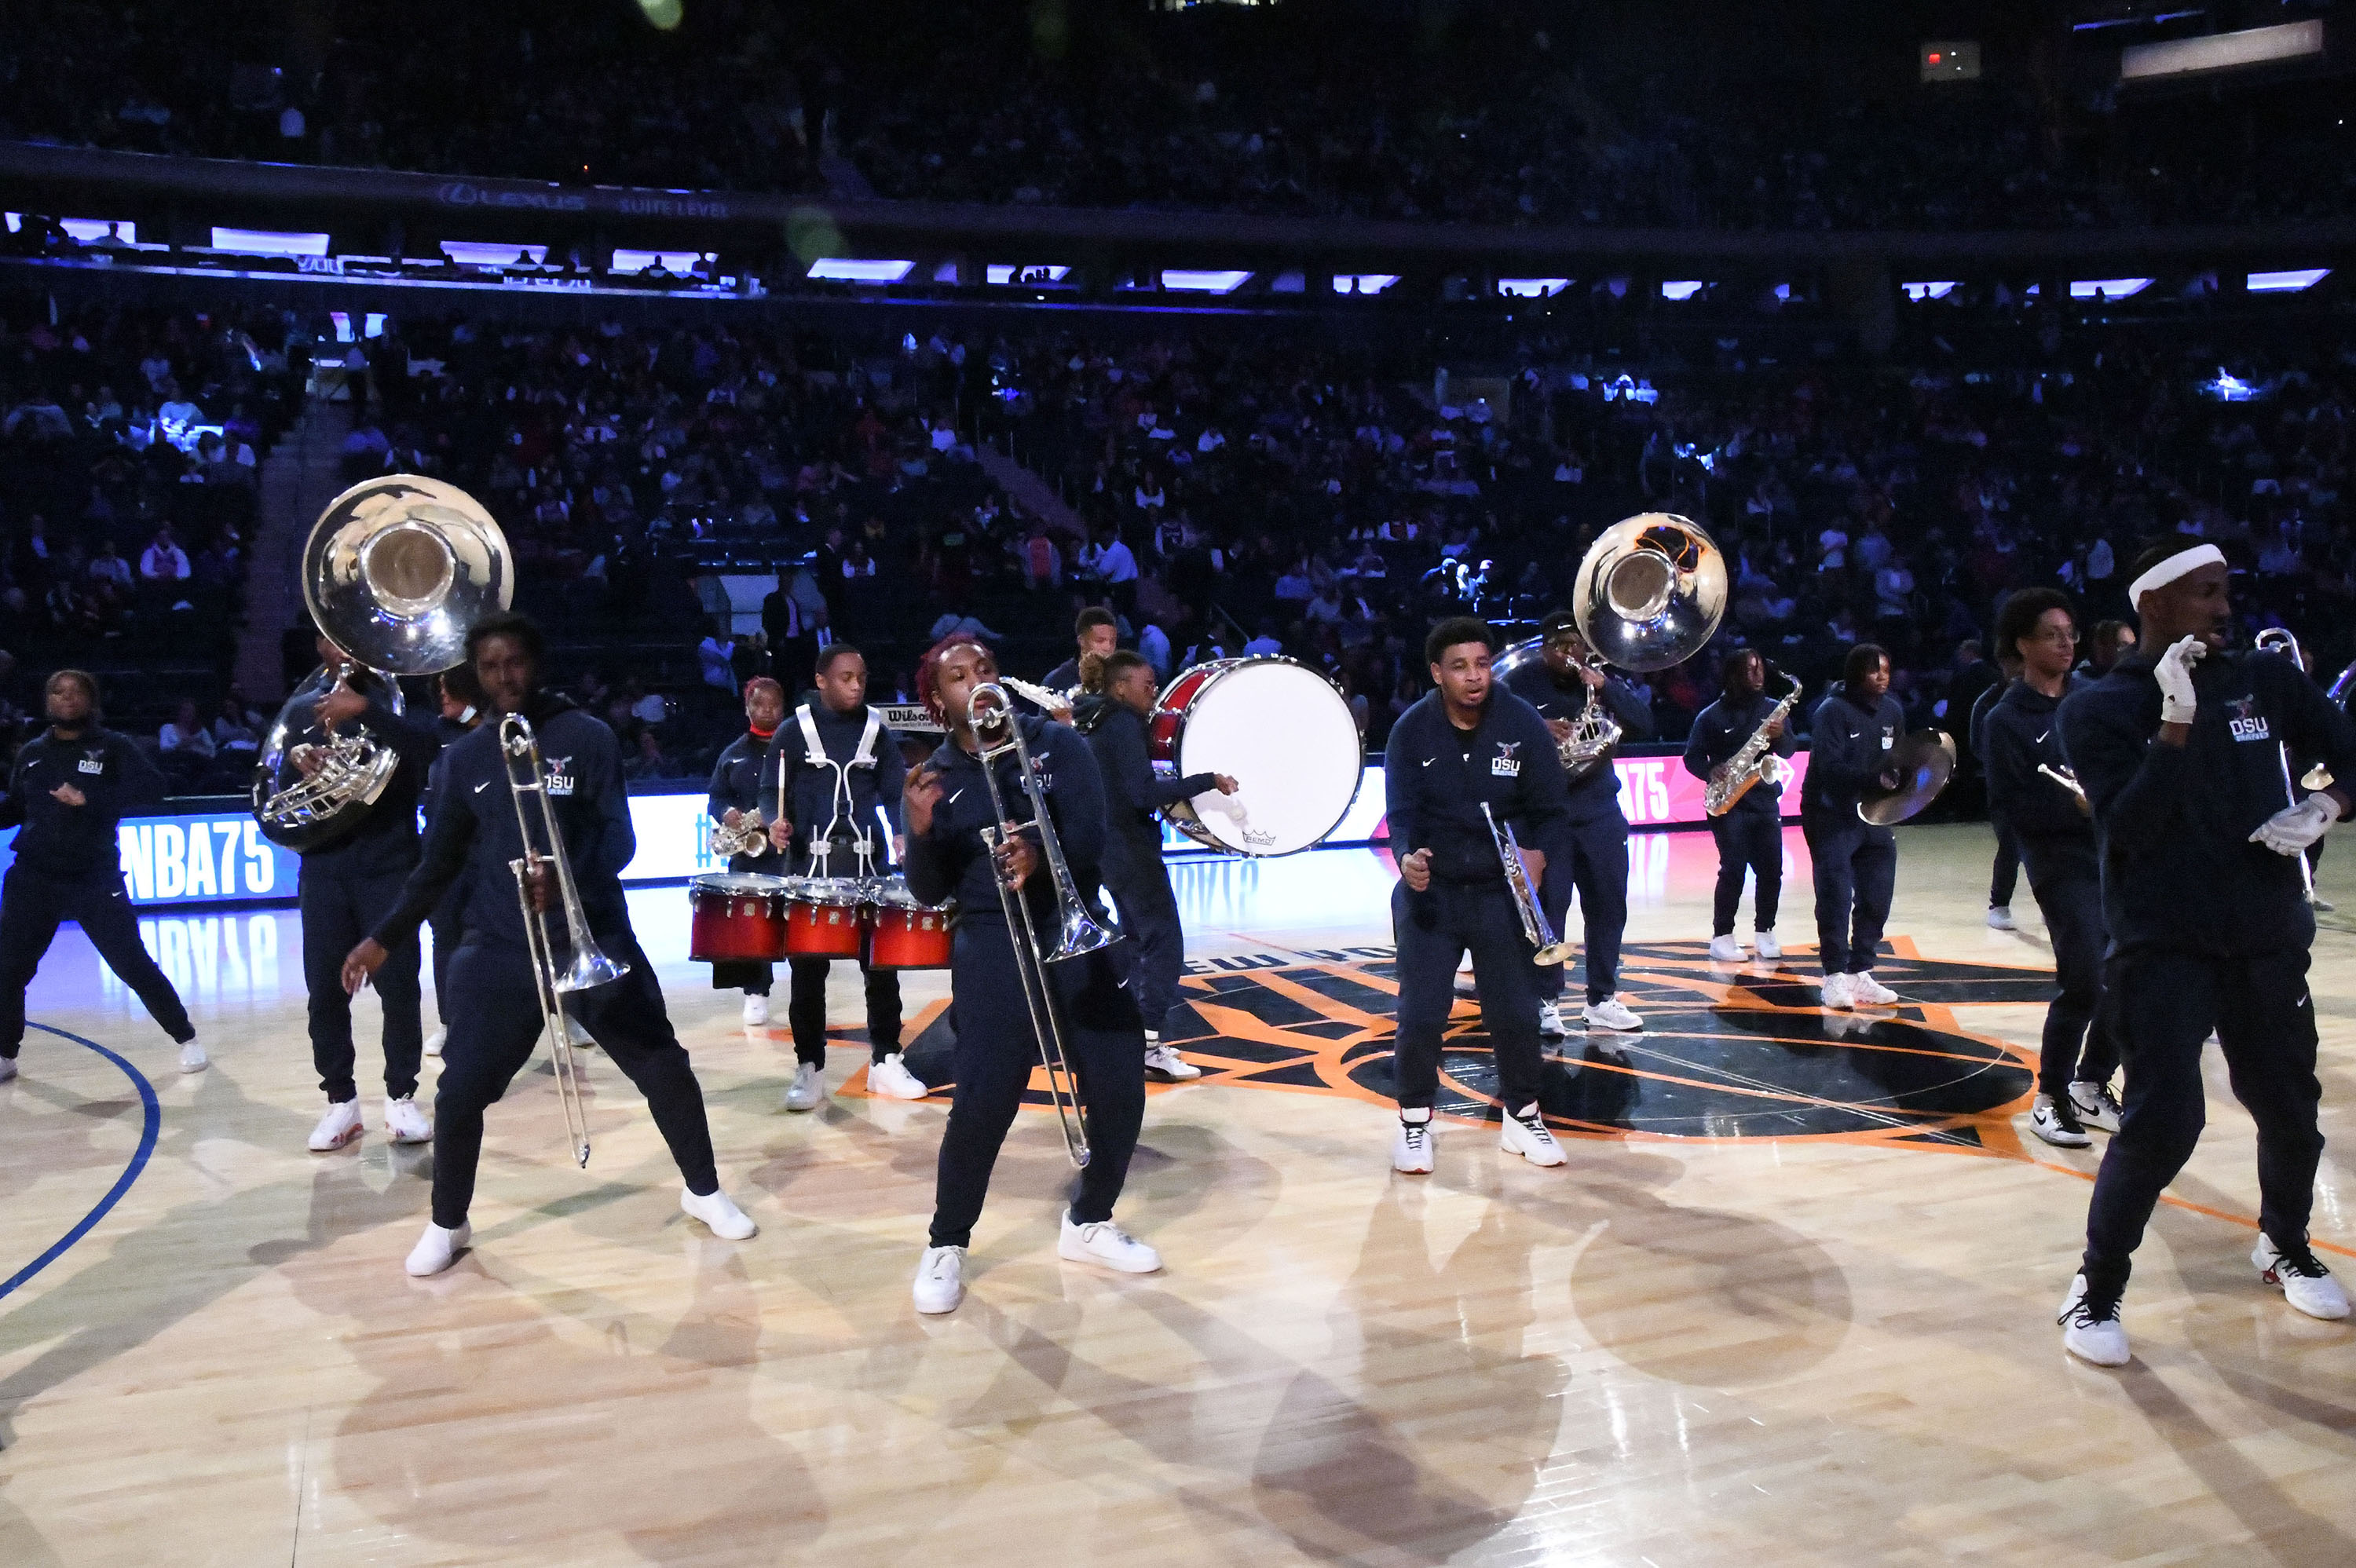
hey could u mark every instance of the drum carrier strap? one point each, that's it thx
(861, 837)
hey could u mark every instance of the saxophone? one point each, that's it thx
(1733, 778)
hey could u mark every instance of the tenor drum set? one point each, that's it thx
(745, 917)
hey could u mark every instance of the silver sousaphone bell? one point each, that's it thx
(394, 572)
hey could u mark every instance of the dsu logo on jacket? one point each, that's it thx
(560, 774)
(2244, 721)
(1505, 764)
(93, 760)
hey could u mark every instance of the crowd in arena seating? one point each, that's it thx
(131, 450)
(1489, 120)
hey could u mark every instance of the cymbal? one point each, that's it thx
(1926, 761)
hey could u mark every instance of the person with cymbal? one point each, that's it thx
(1852, 745)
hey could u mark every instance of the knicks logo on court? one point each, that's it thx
(1504, 764)
(2245, 722)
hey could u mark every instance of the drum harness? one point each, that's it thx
(862, 839)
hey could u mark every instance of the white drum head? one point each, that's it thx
(1286, 737)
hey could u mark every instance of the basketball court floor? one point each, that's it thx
(1791, 1301)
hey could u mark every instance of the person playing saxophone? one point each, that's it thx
(1749, 833)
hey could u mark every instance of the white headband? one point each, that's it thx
(2174, 567)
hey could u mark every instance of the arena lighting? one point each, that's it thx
(90, 230)
(1937, 291)
(482, 253)
(2110, 288)
(842, 269)
(2230, 388)
(268, 242)
(2285, 282)
(1363, 283)
(627, 261)
(1683, 290)
(1205, 283)
(2220, 51)
(1027, 272)
(1532, 288)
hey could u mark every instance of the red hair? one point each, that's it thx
(763, 680)
(928, 668)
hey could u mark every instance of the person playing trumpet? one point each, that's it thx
(946, 806)
(476, 831)
(2026, 775)
(1466, 743)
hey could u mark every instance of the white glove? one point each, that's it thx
(2290, 830)
(2174, 672)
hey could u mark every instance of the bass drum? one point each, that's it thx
(1282, 732)
(737, 917)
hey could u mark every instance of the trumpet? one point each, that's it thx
(1535, 924)
(1080, 930)
(2068, 779)
(589, 967)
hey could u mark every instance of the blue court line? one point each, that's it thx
(155, 1124)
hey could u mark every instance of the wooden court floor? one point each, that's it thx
(1790, 1302)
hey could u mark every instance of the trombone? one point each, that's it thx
(1081, 930)
(1535, 924)
(589, 968)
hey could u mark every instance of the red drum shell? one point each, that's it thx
(736, 919)
(908, 938)
(1170, 714)
(822, 920)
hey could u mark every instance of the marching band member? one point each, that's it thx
(947, 805)
(462, 710)
(2179, 749)
(1467, 743)
(1851, 745)
(735, 792)
(2005, 873)
(2021, 746)
(1096, 631)
(1749, 833)
(70, 786)
(1119, 696)
(1588, 850)
(496, 1023)
(346, 887)
(840, 764)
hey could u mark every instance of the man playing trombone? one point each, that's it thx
(953, 812)
(1466, 745)
(477, 830)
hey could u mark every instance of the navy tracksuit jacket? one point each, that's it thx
(1855, 863)
(1134, 870)
(1751, 835)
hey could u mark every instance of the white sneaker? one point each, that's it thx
(1764, 944)
(2305, 1282)
(1528, 1137)
(1411, 1147)
(808, 1088)
(1839, 993)
(339, 1126)
(940, 1279)
(1611, 1013)
(2057, 1123)
(718, 1213)
(1869, 992)
(193, 1058)
(437, 1249)
(1724, 949)
(405, 1121)
(434, 1041)
(1164, 1063)
(2096, 1106)
(1550, 1020)
(756, 1010)
(2092, 1333)
(8, 1068)
(892, 1079)
(2000, 918)
(1106, 1244)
